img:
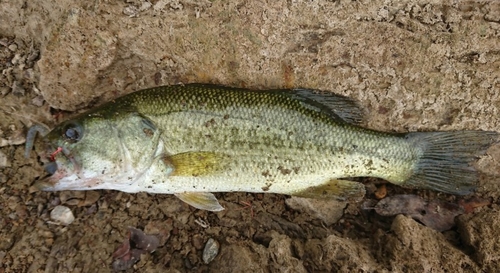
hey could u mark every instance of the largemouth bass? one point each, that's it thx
(192, 140)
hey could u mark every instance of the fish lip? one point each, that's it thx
(56, 170)
(43, 185)
(66, 177)
(46, 184)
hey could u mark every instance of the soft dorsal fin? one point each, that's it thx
(342, 107)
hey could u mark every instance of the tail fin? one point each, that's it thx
(444, 164)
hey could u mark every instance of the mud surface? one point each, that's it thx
(414, 65)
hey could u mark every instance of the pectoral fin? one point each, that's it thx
(197, 163)
(201, 200)
(334, 188)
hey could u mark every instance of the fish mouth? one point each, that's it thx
(46, 184)
(60, 166)
(52, 181)
(48, 181)
(64, 172)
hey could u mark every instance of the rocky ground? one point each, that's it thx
(414, 65)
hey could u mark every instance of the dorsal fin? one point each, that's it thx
(342, 107)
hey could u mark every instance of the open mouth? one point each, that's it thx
(56, 172)
(58, 164)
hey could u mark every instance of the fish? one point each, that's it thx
(196, 139)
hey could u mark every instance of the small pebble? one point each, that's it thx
(62, 215)
(13, 47)
(4, 161)
(17, 89)
(29, 75)
(198, 241)
(12, 202)
(4, 90)
(211, 250)
(33, 56)
(38, 101)
(7, 241)
(131, 11)
(91, 197)
(17, 59)
(4, 42)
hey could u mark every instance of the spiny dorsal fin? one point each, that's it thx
(334, 188)
(197, 163)
(343, 107)
(201, 200)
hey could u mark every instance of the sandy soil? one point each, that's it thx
(414, 65)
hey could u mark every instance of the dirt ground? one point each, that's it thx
(414, 65)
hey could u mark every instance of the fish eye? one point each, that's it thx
(72, 132)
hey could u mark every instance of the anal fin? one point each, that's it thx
(334, 188)
(201, 200)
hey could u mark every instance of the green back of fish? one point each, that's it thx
(219, 99)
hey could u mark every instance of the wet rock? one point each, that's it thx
(62, 214)
(210, 251)
(329, 211)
